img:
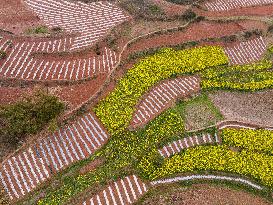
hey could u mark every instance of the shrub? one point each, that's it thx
(3, 54)
(188, 15)
(28, 116)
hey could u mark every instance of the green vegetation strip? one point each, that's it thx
(216, 158)
(255, 140)
(250, 77)
(117, 109)
(137, 151)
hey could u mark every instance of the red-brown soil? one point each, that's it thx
(15, 17)
(201, 194)
(75, 95)
(169, 8)
(91, 166)
(10, 95)
(265, 10)
(194, 32)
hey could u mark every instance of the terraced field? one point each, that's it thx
(233, 4)
(129, 135)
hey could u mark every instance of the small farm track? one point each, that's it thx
(24, 171)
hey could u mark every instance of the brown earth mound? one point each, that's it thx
(201, 194)
(15, 17)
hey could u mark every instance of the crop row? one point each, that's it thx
(117, 109)
(251, 77)
(256, 140)
(216, 158)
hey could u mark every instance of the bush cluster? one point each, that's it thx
(28, 116)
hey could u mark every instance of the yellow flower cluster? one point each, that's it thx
(217, 158)
(256, 140)
(242, 77)
(116, 110)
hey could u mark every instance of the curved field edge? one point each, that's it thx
(195, 184)
(117, 109)
(120, 147)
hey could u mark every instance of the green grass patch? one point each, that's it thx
(199, 112)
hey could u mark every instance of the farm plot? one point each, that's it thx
(22, 173)
(220, 5)
(246, 52)
(4, 43)
(192, 141)
(124, 191)
(21, 64)
(161, 98)
(92, 21)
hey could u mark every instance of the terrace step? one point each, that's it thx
(192, 141)
(220, 5)
(22, 173)
(92, 21)
(21, 64)
(161, 97)
(246, 52)
(124, 191)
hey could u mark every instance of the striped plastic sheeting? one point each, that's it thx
(192, 141)
(92, 21)
(122, 192)
(161, 97)
(22, 173)
(223, 5)
(246, 52)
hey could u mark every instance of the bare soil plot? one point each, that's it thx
(200, 194)
(253, 108)
(194, 32)
(15, 17)
(76, 95)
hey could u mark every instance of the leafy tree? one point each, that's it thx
(28, 116)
